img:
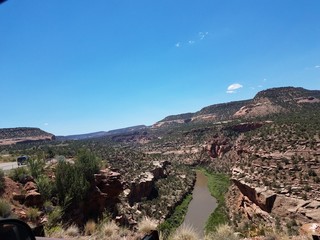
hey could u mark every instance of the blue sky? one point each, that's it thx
(72, 66)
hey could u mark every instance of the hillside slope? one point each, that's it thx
(270, 101)
(10, 136)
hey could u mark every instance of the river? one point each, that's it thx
(201, 205)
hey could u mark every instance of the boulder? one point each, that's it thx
(18, 197)
(311, 230)
(33, 199)
(29, 186)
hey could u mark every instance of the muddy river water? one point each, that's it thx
(201, 205)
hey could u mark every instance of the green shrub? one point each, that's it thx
(70, 183)
(88, 163)
(5, 209)
(33, 214)
(44, 187)
(18, 174)
(54, 217)
(36, 167)
(2, 185)
(176, 219)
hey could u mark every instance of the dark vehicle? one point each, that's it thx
(12, 229)
(22, 160)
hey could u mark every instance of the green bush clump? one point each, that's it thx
(18, 174)
(33, 214)
(45, 187)
(70, 182)
(88, 163)
(36, 167)
(5, 209)
(73, 180)
(54, 217)
(176, 219)
(2, 185)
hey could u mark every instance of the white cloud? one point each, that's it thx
(233, 87)
(46, 124)
(202, 35)
(317, 66)
(178, 44)
(191, 42)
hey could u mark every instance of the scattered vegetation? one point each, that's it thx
(184, 233)
(222, 232)
(176, 219)
(5, 208)
(2, 184)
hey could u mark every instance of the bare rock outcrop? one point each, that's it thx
(144, 187)
(104, 193)
(217, 147)
(260, 196)
(255, 201)
(245, 127)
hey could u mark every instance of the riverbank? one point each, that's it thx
(201, 205)
(176, 219)
(218, 184)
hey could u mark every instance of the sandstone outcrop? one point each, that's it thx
(245, 127)
(217, 147)
(255, 201)
(105, 190)
(260, 196)
(32, 197)
(144, 187)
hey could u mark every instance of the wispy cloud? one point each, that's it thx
(317, 66)
(46, 124)
(202, 35)
(196, 39)
(233, 87)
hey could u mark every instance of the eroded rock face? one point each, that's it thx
(245, 127)
(104, 193)
(255, 201)
(145, 186)
(217, 147)
(260, 196)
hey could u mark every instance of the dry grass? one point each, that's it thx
(185, 233)
(223, 232)
(72, 231)
(55, 232)
(90, 227)
(109, 230)
(147, 225)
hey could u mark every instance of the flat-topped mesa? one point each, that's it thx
(10, 136)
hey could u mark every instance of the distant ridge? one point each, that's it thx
(270, 101)
(101, 133)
